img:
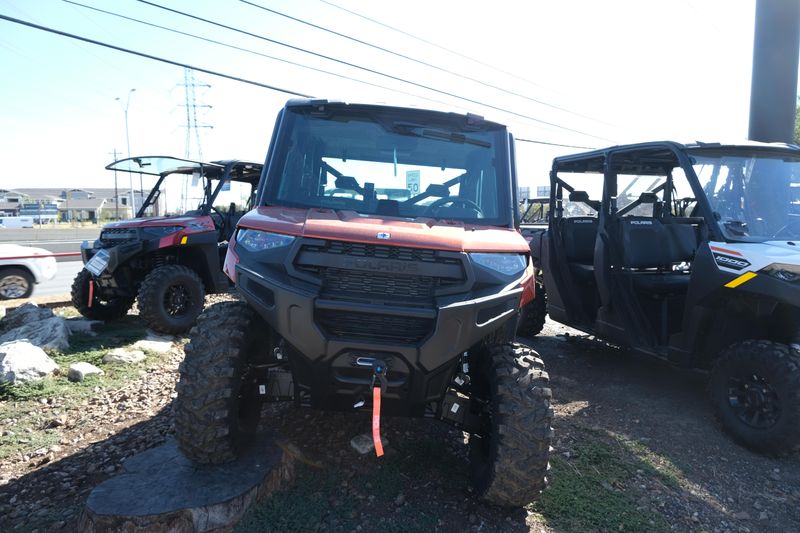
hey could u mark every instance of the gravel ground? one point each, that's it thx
(706, 482)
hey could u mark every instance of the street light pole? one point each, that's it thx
(128, 143)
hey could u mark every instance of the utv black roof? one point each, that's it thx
(408, 113)
(660, 155)
(245, 171)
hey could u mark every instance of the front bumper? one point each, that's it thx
(118, 255)
(420, 346)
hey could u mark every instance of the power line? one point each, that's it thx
(148, 56)
(254, 52)
(409, 58)
(372, 71)
(199, 69)
(554, 144)
(431, 43)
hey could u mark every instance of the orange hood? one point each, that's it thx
(351, 226)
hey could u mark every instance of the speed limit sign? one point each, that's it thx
(412, 182)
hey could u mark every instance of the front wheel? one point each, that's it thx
(217, 410)
(510, 457)
(170, 298)
(97, 307)
(755, 391)
(532, 316)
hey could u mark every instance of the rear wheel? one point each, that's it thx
(755, 391)
(510, 458)
(532, 316)
(101, 308)
(170, 298)
(217, 410)
(15, 283)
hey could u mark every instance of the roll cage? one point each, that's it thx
(164, 166)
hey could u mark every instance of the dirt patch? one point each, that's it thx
(636, 449)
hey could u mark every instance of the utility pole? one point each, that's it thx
(116, 192)
(192, 126)
(773, 94)
(128, 143)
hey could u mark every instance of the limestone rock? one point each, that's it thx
(47, 333)
(363, 443)
(155, 343)
(28, 313)
(160, 490)
(79, 371)
(81, 325)
(21, 361)
(123, 356)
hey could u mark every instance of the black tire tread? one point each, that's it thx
(206, 407)
(533, 315)
(150, 302)
(782, 361)
(111, 310)
(522, 417)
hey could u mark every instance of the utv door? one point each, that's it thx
(568, 250)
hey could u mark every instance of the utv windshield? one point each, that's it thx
(392, 162)
(753, 193)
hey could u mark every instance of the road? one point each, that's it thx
(62, 282)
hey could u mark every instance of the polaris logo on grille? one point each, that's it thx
(381, 265)
(731, 262)
(384, 235)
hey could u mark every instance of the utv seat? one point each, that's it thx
(579, 234)
(650, 249)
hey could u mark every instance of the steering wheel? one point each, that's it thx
(454, 200)
(218, 223)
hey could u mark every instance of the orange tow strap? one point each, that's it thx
(376, 420)
(91, 292)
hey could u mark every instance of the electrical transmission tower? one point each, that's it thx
(194, 149)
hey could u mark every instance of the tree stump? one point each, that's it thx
(160, 490)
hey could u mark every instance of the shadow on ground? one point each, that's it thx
(51, 498)
(655, 423)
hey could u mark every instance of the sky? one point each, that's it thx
(583, 73)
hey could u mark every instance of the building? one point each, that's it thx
(66, 205)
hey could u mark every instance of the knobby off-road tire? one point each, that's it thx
(170, 298)
(755, 391)
(101, 309)
(15, 283)
(532, 316)
(510, 463)
(214, 415)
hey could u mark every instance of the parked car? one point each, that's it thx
(21, 267)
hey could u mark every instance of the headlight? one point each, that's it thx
(160, 231)
(258, 241)
(508, 264)
(783, 272)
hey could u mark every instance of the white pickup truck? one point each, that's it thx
(21, 267)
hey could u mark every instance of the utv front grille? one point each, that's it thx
(390, 329)
(115, 236)
(337, 282)
(356, 271)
